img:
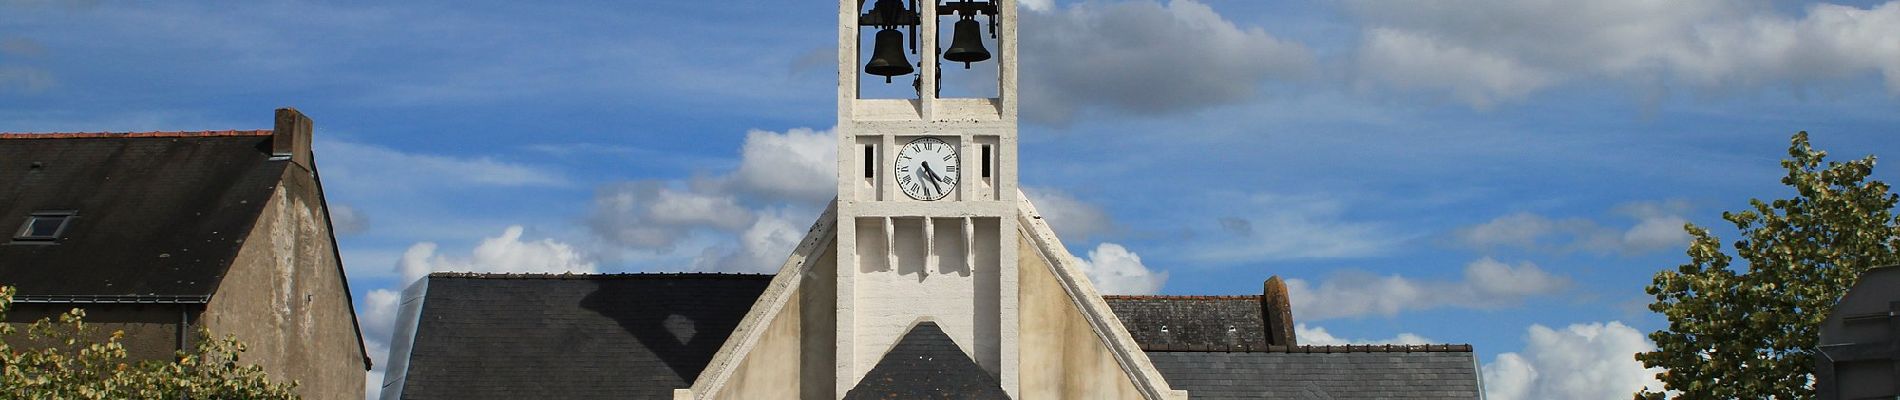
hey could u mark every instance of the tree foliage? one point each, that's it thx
(64, 363)
(1748, 331)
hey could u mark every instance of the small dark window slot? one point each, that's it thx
(44, 226)
(986, 161)
(870, 162)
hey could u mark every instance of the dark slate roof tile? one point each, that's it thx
(1204, 323)
(627, 336)
(160, 214)
(1292, 375)
(926, 364)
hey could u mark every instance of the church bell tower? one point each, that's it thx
(927, 197)
(930, 275)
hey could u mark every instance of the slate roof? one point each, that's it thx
(160, 215)
(926, 364)
(627, 336)
(1204, 323)
(1318, 375)
(1217, 347)
(618, 336)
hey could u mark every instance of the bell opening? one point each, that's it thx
(966, 43)
(881, 73)
(966, 40)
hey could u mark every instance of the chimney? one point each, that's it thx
(1277, 312)
(291, 137)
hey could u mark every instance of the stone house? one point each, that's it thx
(159, 233)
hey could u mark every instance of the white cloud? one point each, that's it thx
(1582, 361)
(651, 214)
(1037, 5)
(799, 165)
(1407, 60)
(1144, 57)
(373, 378)
(1318, 336)
(1509, 376)
(793, 169)
(761, 248)
(1658, 226)
(367, 168)
(1289, 227)
(347, 220)
(378, 318)
(1517, 229)
(1656, 233)
(1070, 217)
(1484, 51)
(378, 315)
(505, 253)
(1487, 284)
(1115, 270)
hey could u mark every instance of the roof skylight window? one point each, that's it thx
(44, 226)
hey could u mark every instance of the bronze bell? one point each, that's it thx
(887, 57)
(966, 44)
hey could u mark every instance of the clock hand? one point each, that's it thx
(931, 176)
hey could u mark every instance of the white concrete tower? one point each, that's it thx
(927, 198)
(929, 240)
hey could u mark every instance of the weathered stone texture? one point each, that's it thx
(285, 297)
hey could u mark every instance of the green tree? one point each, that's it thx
(63, 363)
(1748, 331)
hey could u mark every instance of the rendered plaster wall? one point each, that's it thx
(802, 334)
(931, 279)
(1062, 358)
(151, 330)
(771, 370)
(819, 327)
(284, 297)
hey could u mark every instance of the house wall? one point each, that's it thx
(151, 330)
(1062, 357)
(285, 297)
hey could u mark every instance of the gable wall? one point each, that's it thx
(819, 327)
(1062, 358)
(285, 298)
(795, 339)
(771, 370)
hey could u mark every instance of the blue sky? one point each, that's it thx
(1502, 173)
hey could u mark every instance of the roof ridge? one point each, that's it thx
(147, 134)
(1179, 297)
(619, 275)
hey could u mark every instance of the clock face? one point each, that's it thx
(927, 169)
